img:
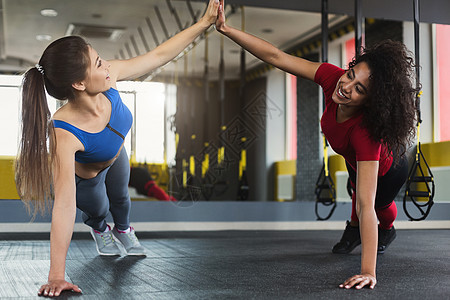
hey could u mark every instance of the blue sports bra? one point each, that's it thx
(104, 145)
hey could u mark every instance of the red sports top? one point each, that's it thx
(348, 138)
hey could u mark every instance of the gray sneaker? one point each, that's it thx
(105, 243)
(130, 242)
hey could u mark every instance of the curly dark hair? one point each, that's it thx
(389, 114)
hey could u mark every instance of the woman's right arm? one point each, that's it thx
(63, 213)
(266, 51)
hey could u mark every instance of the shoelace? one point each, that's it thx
(132, 237)
(107, 238)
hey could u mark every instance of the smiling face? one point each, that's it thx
(352, 88)
(97, 79)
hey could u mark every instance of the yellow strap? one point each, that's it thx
(240, 170)
(220, 155)
(184, 173)
(205, 165)
(242, 163)
(418, 140)
(192, 165)
(325, 156)
(418, 132)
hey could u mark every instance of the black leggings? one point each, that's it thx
(388, 185)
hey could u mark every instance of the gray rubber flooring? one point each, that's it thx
(231, 265)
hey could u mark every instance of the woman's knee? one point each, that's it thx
(94, 209)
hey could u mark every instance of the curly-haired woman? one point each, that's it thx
(82, 147)
(369, 120)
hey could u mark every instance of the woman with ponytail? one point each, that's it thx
(76, 156)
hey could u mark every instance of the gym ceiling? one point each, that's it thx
(282, 22)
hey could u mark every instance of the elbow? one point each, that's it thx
(365, 207)
(273, 57)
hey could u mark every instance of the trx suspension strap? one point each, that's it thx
(359, 22)
(243, 189)
(185, 164)
(193, 180)
(173, 128)
(206, 187)
(422, 198)
(325, 190)
(221, 184)
(243, 182)
(358, 27)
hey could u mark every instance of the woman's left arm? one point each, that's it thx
(143, 64)
(366, 187)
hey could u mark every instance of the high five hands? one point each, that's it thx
(220, 21)
(211, 13)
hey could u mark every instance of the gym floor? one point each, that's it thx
(231, 265)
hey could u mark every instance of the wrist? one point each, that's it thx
(55, 277)
(223, 29)
(369, 273)
(52, 275)
(204, 23)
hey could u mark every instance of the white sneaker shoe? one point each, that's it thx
(129, 241)
(105, 243)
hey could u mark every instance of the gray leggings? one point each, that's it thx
(108, 191)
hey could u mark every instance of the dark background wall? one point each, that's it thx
(309, 162)
(205, 119)
(246, 117)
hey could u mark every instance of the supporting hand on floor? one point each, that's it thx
(54, 288)
(359, 281)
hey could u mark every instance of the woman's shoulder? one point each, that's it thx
(68, 141)
(112, 94)
(62, 113)
(326, 71)
(326, 76)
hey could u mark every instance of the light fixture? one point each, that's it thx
(43, 37)
(49, 12)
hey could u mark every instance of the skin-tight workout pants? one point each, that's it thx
(387, 189)
(107, 192)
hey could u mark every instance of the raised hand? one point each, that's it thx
(210, 15)
(220, 22)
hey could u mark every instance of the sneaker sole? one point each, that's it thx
(137, 254)
(128, 254)
(101, 253)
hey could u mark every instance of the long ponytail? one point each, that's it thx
(63, 62)
(33, 170)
